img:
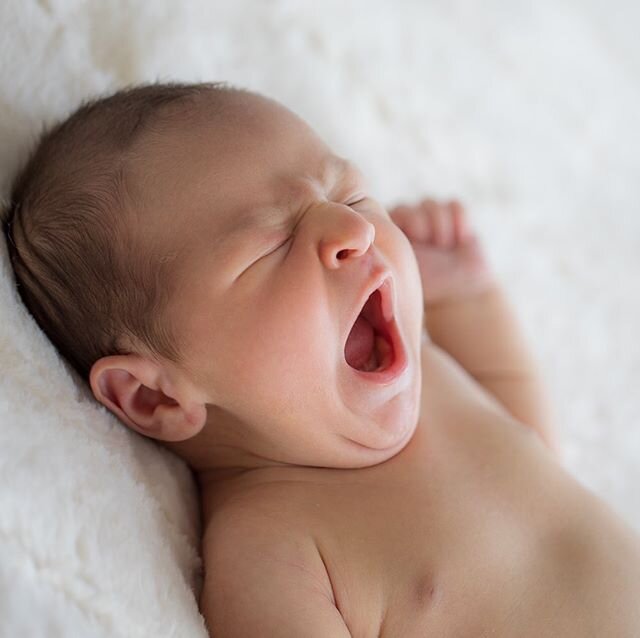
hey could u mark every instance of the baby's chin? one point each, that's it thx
(377, 443)
(384, 427)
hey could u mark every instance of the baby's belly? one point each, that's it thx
(494, 545)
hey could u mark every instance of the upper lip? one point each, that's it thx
(382, 280)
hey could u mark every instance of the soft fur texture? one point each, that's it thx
(527, 111)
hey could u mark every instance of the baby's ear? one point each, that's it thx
(139, 393)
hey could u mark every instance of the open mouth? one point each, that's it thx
(370, 345)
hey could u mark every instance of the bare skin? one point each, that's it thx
(434, 506)
(473, 529)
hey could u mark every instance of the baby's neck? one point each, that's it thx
(220, 448)
(216, 483)
(225, 471)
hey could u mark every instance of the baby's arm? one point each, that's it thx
(261, 580)
(482, 333)
(467, 314)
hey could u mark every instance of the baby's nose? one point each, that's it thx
(347, 234)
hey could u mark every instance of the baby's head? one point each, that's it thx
(200, 256)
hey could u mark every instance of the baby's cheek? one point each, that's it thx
(410, 270)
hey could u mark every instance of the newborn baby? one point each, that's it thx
(349, 385)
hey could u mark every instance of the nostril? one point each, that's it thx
(342, 253)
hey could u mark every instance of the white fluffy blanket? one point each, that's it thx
(527, 111)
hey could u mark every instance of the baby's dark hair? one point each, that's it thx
(77, 268)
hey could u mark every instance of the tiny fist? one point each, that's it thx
(441, 224)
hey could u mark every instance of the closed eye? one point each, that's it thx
(280, 245)
(359, 200)
(286, 241)
(272, 251)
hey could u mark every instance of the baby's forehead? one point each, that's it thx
(236, 172)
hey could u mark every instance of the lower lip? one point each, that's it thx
(397, 367)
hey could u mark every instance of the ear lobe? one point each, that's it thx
(136, 391)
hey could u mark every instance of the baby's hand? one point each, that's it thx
(451, 261)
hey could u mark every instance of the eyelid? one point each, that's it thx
(280, 245)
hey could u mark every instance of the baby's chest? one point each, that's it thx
(401, 566)
(445, 550)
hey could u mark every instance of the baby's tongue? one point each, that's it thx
(359, 343)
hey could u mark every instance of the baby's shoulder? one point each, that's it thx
(258, 513)
(254, 537)
(247, 526)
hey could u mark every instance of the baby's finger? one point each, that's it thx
(441, 226)
(399, 212)
(461, 227)
(412, 222)
(419, 227)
